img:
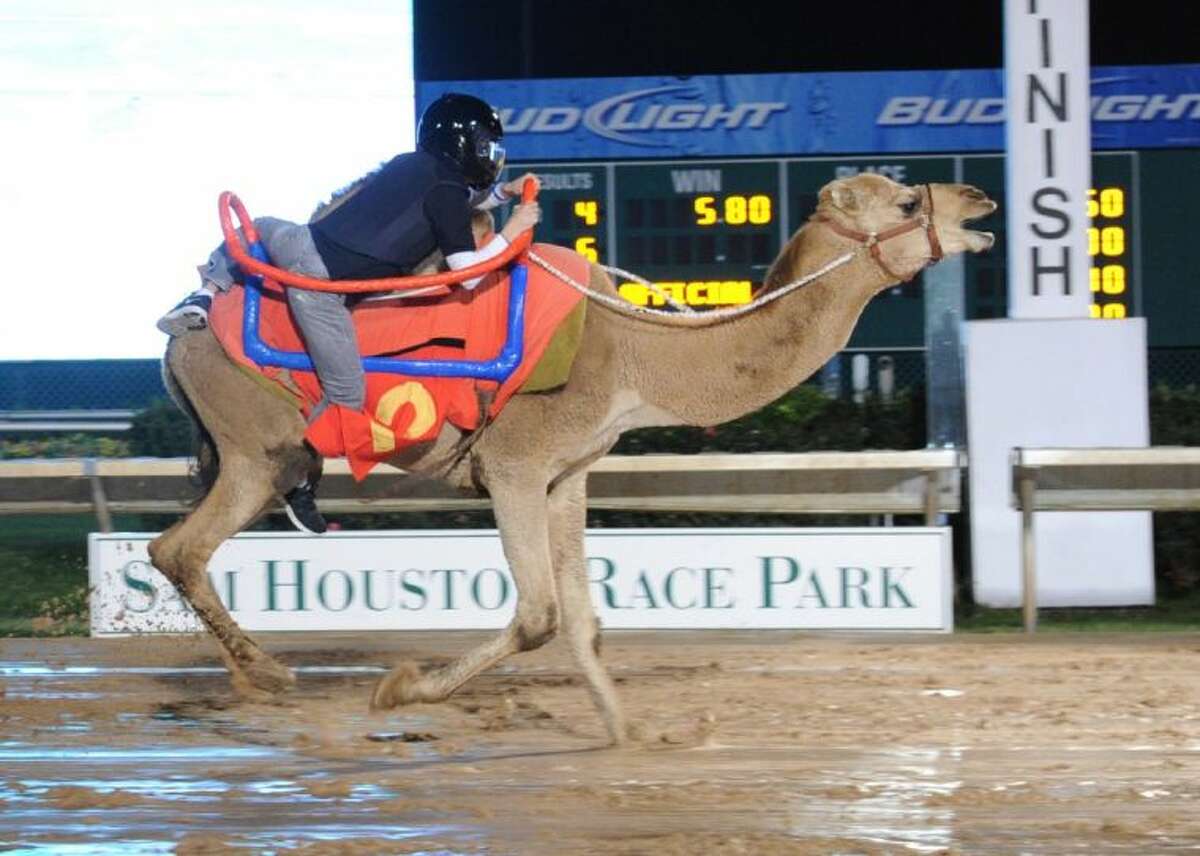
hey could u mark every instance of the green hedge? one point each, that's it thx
(65, 446)
(161, 431)
(804, 420)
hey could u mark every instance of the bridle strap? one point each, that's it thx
(872, 240)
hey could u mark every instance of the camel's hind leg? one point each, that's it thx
(242, 491)
(522, 519)
(568, 518)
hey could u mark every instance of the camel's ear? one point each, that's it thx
(841, 195)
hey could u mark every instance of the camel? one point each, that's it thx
(631, 371)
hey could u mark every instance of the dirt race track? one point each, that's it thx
(766, 743)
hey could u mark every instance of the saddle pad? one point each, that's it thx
(462, 325)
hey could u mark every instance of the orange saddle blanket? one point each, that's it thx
(402, 410)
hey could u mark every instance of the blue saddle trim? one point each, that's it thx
(498, 369)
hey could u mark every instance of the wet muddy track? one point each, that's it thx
(748, 743)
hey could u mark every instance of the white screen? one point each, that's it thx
(121, 122)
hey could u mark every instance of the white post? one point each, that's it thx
(1049, 157)
(860, 370)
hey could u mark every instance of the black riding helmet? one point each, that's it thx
(467, 132)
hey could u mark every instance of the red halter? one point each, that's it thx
(874, 239)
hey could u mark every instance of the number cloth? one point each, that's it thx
(460, 325)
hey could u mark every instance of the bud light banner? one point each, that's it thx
(1131, 107)
(895, 579)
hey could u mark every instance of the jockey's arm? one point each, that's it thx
(501, 192)
(488, 199)
(458, 261)
(523, 217)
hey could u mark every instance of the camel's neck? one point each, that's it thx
(713, 374)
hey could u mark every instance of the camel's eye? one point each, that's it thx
(910, 207)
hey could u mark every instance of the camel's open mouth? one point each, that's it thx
(978, 240)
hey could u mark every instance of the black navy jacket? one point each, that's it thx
(414, 204)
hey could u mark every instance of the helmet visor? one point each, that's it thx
(491, 153)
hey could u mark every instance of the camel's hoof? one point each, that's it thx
(397, 687)
(627, 734)
(268, 676)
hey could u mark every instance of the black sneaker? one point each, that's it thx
(191, 313)
(302, 510)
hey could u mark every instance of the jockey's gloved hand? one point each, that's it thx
(517, 185)
(524, 217)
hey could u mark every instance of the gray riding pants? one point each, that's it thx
(322, 316)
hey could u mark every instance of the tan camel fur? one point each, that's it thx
(630, 372)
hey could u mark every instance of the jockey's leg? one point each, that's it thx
(322, 316)
(329, 337)
(217, 273)
(332, 344)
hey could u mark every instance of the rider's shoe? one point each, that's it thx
(302, 509)
(191, 313)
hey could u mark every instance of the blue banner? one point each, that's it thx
(1133, 107)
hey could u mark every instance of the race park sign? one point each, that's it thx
(879, 578)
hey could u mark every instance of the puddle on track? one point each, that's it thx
(151, 799)
(789, 745)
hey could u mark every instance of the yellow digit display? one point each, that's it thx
(735, 210)
(706, 210)
(697, 293)
(1108, 202)
(1106, 244)
(1112, 279)
(738, 210)
(588, 211)
(1109, 279)
(1108, 310)
(1109, 241)
(1112, 202)
(760, 209)
(1112, 240)
(586, 247)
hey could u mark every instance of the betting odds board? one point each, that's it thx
(706, 231)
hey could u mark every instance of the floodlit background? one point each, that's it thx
(121, 121)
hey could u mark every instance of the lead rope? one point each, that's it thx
(655, 287)
(624, 307)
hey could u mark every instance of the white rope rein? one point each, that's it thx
(653, 286)
(624, 307)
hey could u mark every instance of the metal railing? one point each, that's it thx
(1160, 478)
(924, 482)
(58, 421)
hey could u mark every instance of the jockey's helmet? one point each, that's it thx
(466, 131)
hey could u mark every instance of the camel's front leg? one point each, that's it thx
(241, 492)
(568, 519)
(522, 518)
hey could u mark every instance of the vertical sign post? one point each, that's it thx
(1032, 379)
(1049, 157)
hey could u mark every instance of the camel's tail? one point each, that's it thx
(208, 459)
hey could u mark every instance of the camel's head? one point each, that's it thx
(900, 217)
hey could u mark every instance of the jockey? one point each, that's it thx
(415, 203)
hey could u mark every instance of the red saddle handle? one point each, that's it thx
(248, 263)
